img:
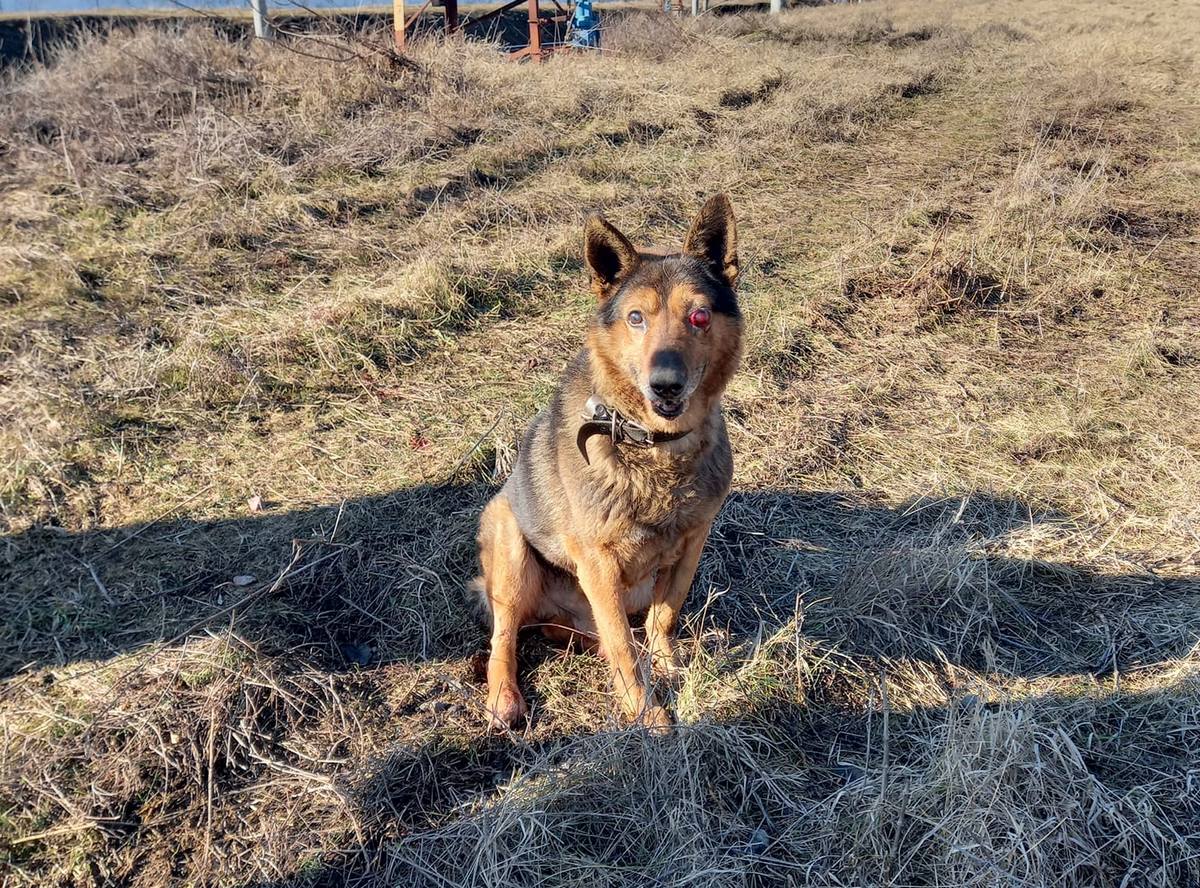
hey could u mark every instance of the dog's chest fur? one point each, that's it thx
(646, 502)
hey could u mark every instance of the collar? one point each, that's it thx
(600, 419)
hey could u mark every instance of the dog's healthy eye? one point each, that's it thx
(700, 318)
(635, 319)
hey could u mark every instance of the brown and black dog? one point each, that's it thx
(619, 479)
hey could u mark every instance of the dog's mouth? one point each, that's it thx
(668, 409)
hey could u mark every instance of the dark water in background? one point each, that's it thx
(54, 23)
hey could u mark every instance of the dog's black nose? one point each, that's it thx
(668, 374)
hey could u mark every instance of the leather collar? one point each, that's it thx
(600, 419)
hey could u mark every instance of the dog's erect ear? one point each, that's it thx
(609, 254)
(713, 238)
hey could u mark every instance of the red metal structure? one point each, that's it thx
(534, 50)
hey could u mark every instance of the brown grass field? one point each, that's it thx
(273, 317)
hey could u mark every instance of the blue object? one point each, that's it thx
(585, 26)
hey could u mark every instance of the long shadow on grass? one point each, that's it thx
(380, 579)
(348, 584)
(936, 579)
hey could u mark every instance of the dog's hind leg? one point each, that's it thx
(512, 582)
(565, 617)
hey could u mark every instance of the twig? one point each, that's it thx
(95, 577)
(250, 598)
(71, 167)
(69, 829)
(466, 456)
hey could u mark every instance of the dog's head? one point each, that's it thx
(667, 336)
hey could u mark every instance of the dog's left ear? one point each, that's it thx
(713, 238)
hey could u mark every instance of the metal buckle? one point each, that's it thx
(620, 429)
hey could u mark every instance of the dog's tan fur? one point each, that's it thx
(577, 546)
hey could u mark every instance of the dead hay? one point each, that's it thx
(780, 797)
(271, 324)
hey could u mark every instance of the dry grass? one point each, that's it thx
(271, 325)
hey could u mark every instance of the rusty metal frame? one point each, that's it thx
(411, 23)
(534, 50)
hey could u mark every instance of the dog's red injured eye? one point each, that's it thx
(699, 318)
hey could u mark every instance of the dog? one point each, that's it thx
(618, 481)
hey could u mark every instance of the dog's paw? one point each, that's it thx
(656, 720)
(651, 716)
(506, 708)
(666, 665)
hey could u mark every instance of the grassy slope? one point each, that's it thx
(945, 631)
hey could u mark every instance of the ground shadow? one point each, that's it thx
(367, 580)
(381, 579)
(358, 586)
(935, 579)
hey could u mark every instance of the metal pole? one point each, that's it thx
(776, 7)
(535, 31)
(262, 24)
(398, 23)
(695, 8)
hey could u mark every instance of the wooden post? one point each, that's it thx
(262, 24)
(450, 9)
(398, 23)
(695, 8)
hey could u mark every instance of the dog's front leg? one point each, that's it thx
(670, 591)
(600, 579)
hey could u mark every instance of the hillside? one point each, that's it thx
(272, 319)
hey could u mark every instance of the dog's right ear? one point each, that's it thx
(609, 255)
